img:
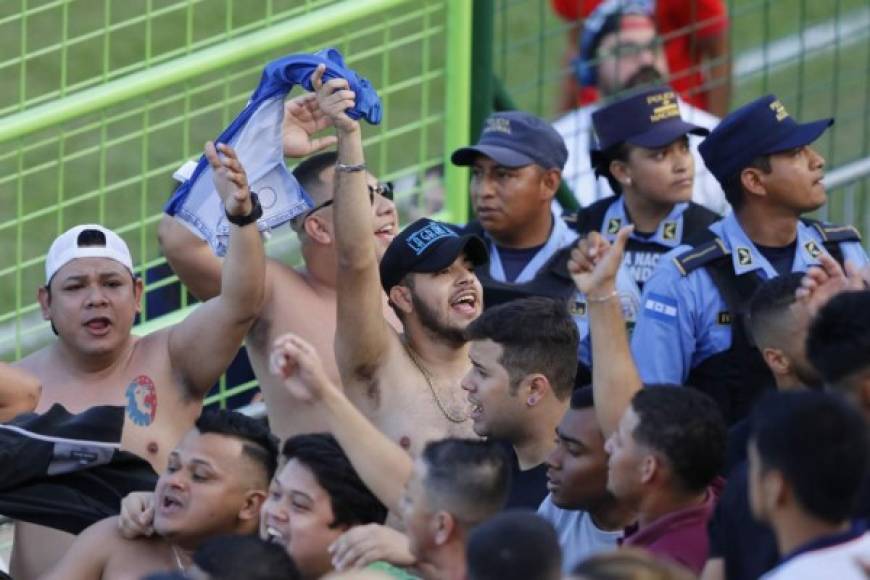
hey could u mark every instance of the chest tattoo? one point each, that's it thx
(141, 401)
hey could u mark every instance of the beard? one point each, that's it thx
(646, 75)
(435, 326)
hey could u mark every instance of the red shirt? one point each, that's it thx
(679, 536)
(681, 23)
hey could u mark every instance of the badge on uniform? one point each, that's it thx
(744, 256)
(613, 225)
(577, 308)
(669, 231)
(812, 249)
(723, 318)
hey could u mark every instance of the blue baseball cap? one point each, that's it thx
(649, 118)
(516, 139)
(427, 246)
(758, 128)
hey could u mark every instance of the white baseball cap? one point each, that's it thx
(67, 247)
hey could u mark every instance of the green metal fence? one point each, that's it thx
(102, 99)
(815, 55)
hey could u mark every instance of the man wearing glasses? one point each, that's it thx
(298, 300)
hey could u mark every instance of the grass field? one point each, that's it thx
(115, 166)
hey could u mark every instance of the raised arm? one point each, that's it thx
(202, 346)
(190, 257)
(382, 465)
(615, 380)
(362, 334)
(19, 392)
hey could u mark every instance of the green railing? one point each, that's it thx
(102, 99)
(95, 121)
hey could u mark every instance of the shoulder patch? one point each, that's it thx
(812, 249)
(700, 256)
(835, 233)
(660, 307)
(613, 225)
(669, 231)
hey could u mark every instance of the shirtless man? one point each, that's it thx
(215, 483)
(407, 385)
(158, 381)
(301, 300)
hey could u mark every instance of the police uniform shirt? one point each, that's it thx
(684, 320)
(560, 236)
(641, 261)
(642, 254)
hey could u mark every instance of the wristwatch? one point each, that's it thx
(243, 220)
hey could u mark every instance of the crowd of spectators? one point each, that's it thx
(653, 387)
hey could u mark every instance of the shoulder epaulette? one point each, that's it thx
(700, 255)
(833, 232)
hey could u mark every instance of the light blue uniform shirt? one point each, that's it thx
(560, 236)
(637, 265)
(678, 325)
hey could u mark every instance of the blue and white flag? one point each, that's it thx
(256, 135)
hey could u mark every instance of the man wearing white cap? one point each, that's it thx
(156, 382)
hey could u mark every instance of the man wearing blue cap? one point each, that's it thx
(516, 168)
(644, 154)
(690, 329)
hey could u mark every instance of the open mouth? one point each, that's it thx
(476, 409)
(170, 505)
(99, 325)
(385, 232)
(465, 303)
(274, 536)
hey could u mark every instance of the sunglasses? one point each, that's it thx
(385, 190)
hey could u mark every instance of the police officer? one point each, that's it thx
(690, 328)
(516, 168)
(644, 154)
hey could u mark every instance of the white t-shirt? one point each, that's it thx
(840, 561)
(579, 538)
(575, 128)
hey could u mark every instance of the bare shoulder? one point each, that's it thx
(281, 276)
(35, 362)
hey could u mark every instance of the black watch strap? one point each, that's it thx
(243, 220)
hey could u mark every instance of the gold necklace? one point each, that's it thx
(178, 563)
(428, 378)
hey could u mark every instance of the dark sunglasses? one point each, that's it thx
(385, 190)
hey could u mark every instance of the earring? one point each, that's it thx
(628, 181)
